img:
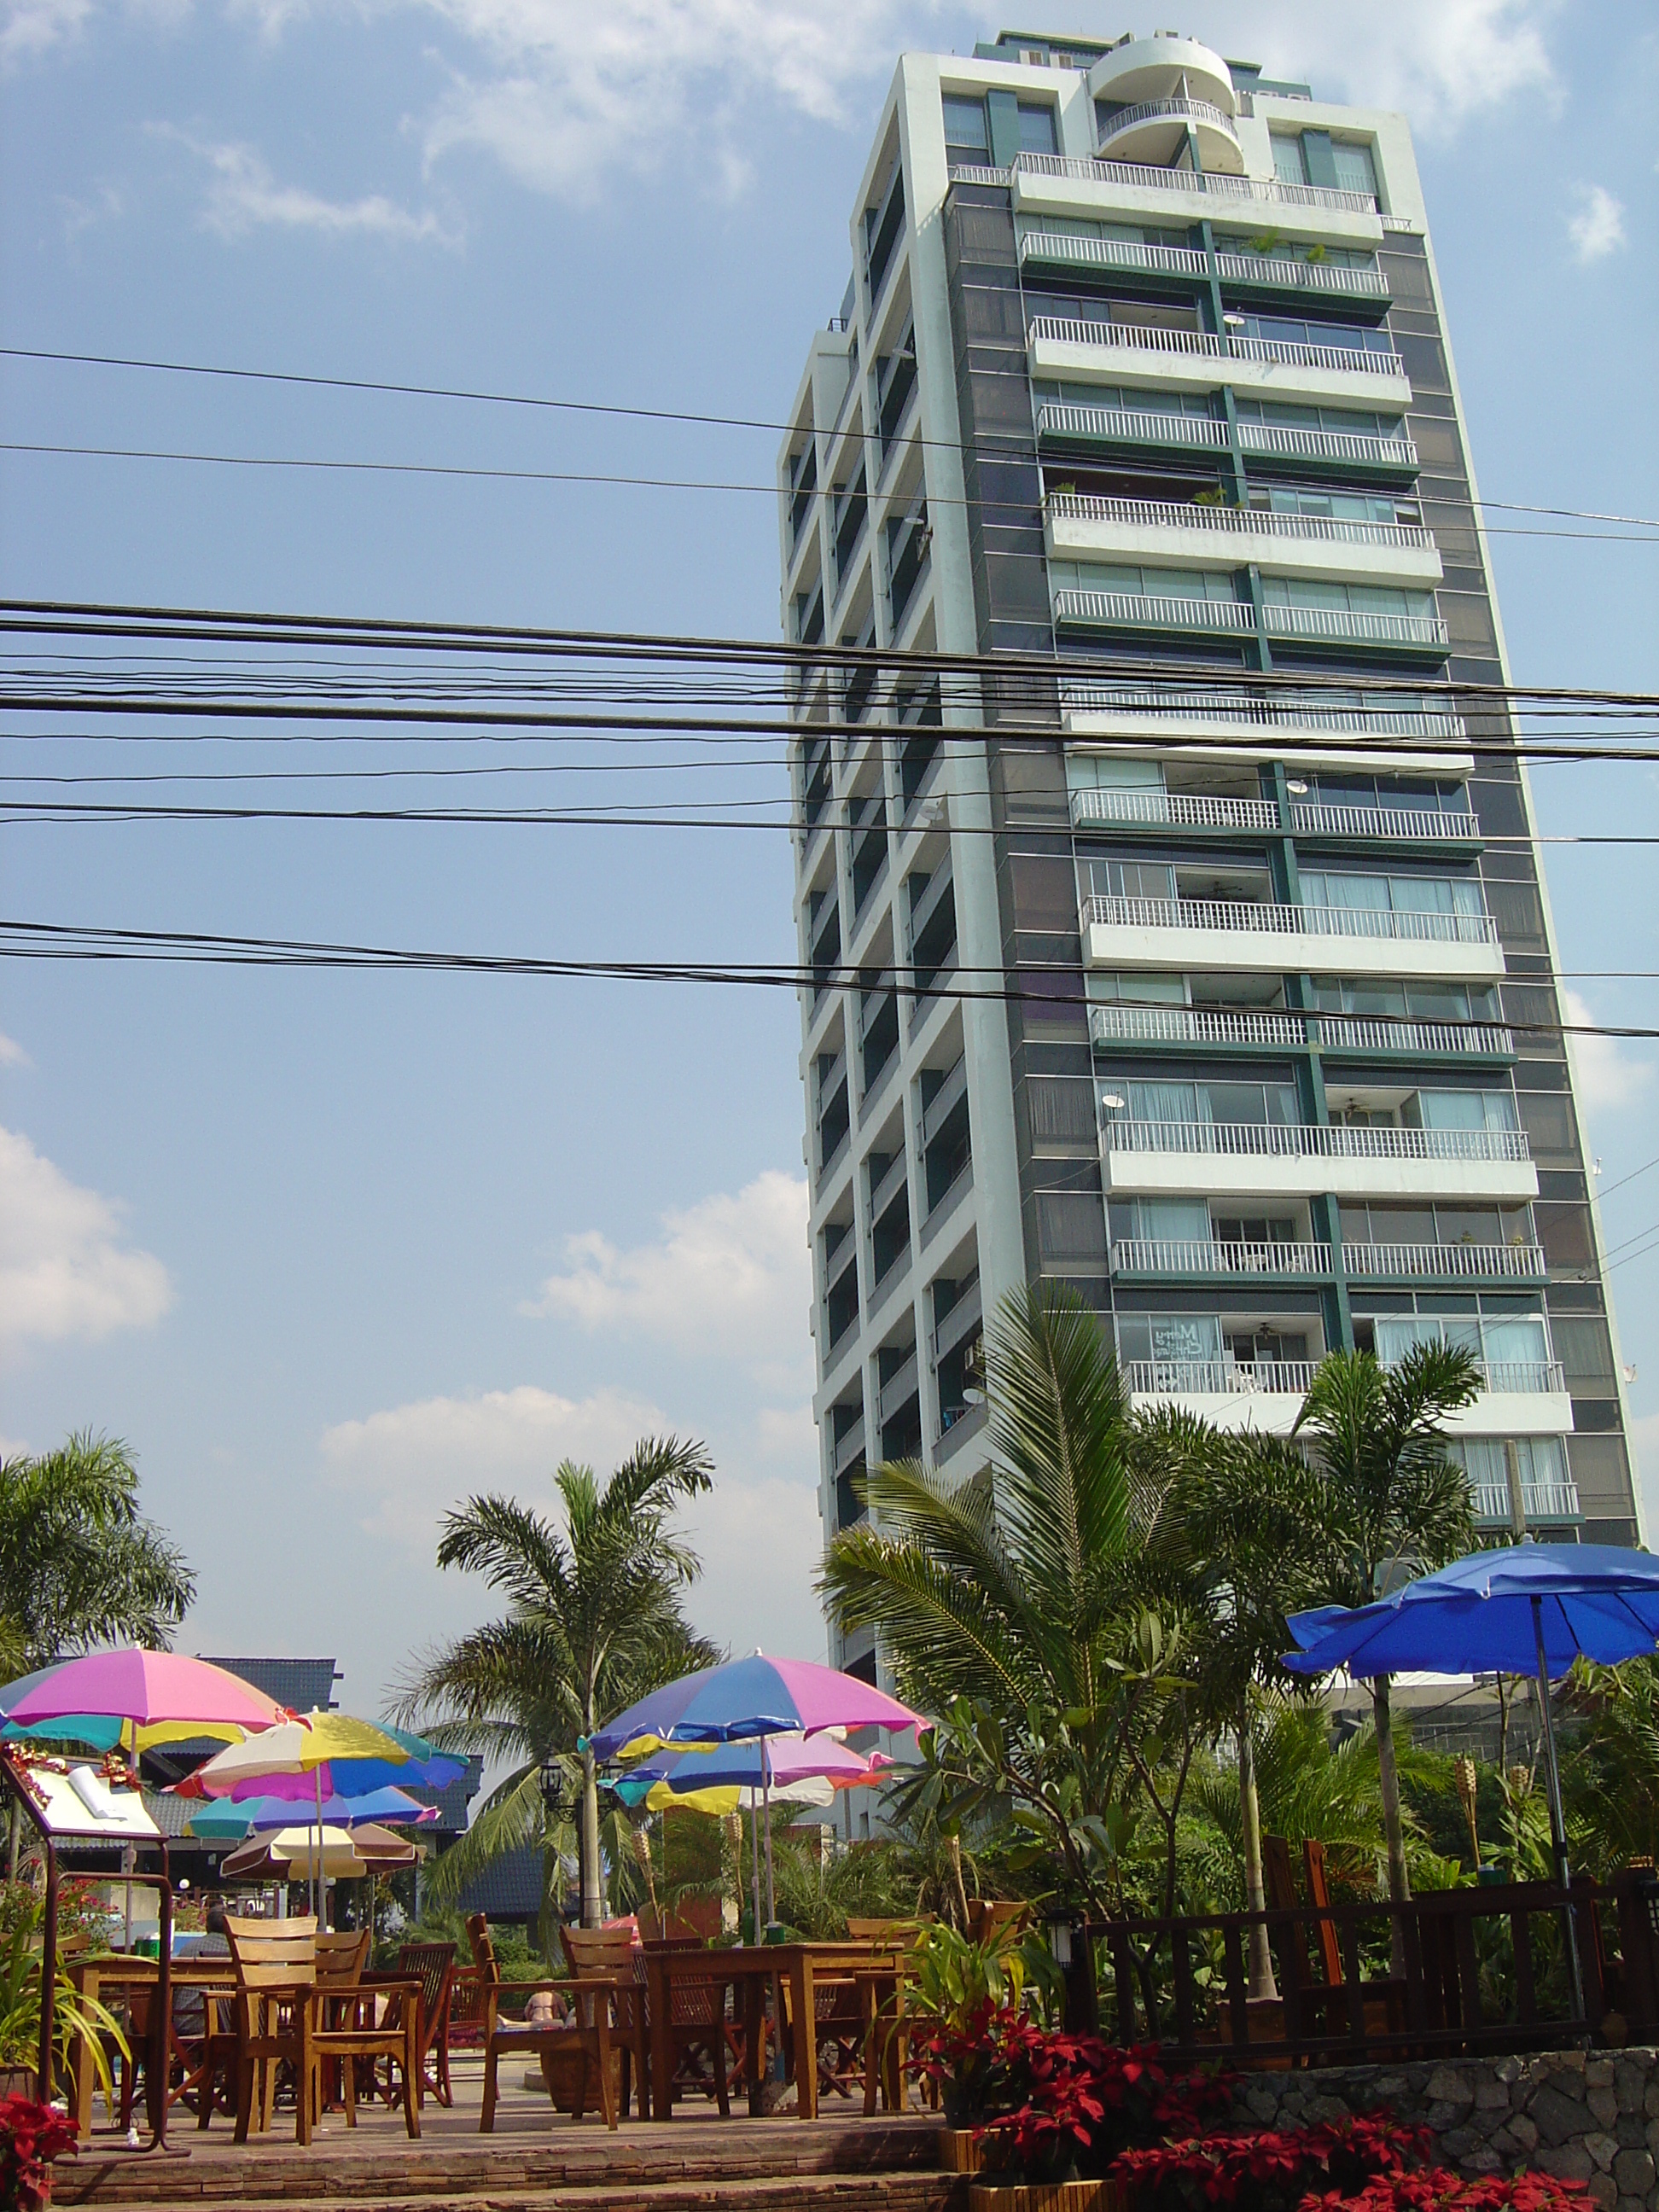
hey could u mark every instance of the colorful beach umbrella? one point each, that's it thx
(159, 1697)
(808, 1770)
(748, 1698)
(226, 1819)
(332, 1751)
(99, 1731)
(292, 1855)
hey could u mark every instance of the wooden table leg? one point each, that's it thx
(754, 2042)
(87, 1980)
(806, 2037)
(662, 2038)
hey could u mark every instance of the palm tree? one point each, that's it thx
(79, 1565)
(1396, 1504)
(1002, 1599)
(594, 1621)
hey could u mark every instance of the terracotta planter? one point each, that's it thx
(959, 2151)
(1044, 2196)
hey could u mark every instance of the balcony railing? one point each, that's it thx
(1539, 1501)
(1234, 521)
(1348, 626)
(1454, 1261)
(1281, 711)
(1137, 611)
(1219, 1378)
(1314, 1140)
(1191, 810)
(1161, 1256)
(1132, 1025)
(1113, 912)
(1287, 442)
(1137, 176)
(1178, 110)
(1310, 818)
(1129, 426)
(1112, 253)
(1355, 360)
(1366, 1033)
(1300, 275)
(1524, 1378)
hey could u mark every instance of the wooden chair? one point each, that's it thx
(988, 1916)
(466, 2009)
(275, 1963)
(433, 1965)
(588, 2032)
(609, 1954)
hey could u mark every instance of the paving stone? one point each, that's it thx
(1441, 2117)
(1629, 2083)
(1604, 2191)
(1630, 2131)
(1491, 2096)
(1598, 2073)
(1651, 2133)
(1633, 2204)
(1651, 2100)
(1602, 2148)
(1328, 2108)
(1524, 2128)
(1484, 2161)
(1508, 2069)
(1448, 2086)
(1603, 2103)
(1458, 2142)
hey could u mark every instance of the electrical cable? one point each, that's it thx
(678, 416)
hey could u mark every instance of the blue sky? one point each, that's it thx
(332, 1250)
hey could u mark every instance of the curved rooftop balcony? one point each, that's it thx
(1155, 131)
(1142, 70)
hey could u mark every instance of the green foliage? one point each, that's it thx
(1611, 1780)
(593, 1622)
(952, 1978)
(79, 1564)
(73, 2014)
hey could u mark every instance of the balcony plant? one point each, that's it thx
(32, 2136)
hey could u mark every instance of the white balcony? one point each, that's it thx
(1539, 1501)
(1267, 1396)
(1159, 1255)
(1287, 441)
(1075, 252)
(1344, 626)
(1267, 1160)
(1125, 426)
(1082, 524)
(1141, 610)
(1403, 824)
(1188, 810)
(1326, 278)
(1335, 1033)
(1448, 1262)
(1155, 130)
(1066, 185)
(1072, 346)
(1211, 933)
(1144, 707)
(1157, 68)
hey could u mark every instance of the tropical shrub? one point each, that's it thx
(30, 2137)
(1273, 2171)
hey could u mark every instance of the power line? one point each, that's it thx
(679, 416)
(452, 469)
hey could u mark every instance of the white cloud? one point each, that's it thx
(407, 1465)
(12, 1053)
(1598, 228)
(64, 1269)
(730, 1275)
(243, 195)
(1607, 1076)
(28, 27)
(1437, 61)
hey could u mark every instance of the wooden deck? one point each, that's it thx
(536, 2160)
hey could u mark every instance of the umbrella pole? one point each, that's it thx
(754, 1859)
(317, 1892)
(766, 1797)
(1557, 1817)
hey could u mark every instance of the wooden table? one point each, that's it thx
(115, 1974)
(754, 1970)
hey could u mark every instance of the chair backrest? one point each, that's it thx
(988, 1915)
(598, 1952)
(433, 1965)
(272, 1954)
(483, 1949)
(861, 1928)
(1318, 1896)
(341, 1957)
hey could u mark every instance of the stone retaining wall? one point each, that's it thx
(1589, 2117)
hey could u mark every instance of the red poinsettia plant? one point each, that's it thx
(1274, 2170)
(1432, 2188)
(30, 2137)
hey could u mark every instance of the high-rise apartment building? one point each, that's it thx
(1250, 1028)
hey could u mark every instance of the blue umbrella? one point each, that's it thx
(1521, 1610)
(227, 1821)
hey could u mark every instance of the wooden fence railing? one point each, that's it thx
(1454, 1971)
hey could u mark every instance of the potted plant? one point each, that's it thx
(32, 2136)
(73, 2013)
(957, 1989)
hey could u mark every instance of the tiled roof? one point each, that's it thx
(452, 1804)
(511, 1889)
(298, 1684)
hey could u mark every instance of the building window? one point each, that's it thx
(967, 134)
(1287, 160)
(1037, 130)
(1356, 171)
